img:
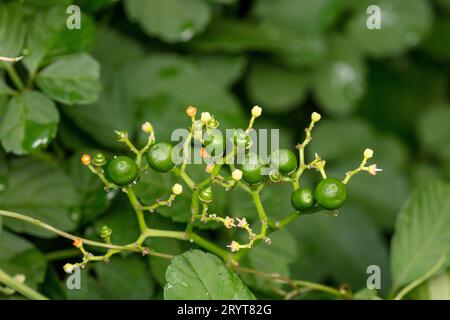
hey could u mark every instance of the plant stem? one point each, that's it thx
(22, 288)
(14, 76)
(295, 283)
(183, 175)
(154, 233)
(137, 208)
(63, 234)
(222, 253)
(261, 213)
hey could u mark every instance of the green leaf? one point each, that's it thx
(224, 70)
(125, 278)
(96, 6)
(19, 256)
(12, 30)
(30, 123)
(433, 131)
(121, 219)
(233, 36)
(4, 88)
(49, 37)
(403, 25)
(161, 104)
(276, 88)
(171, 20)
(398, 96)
(73, 79)
(422, 233)
(46, 3)
(336, 248)
(436, 43)
(340, 81)
(114, 109)
(343, 142)
(301, 15)
(41, 191)
(436, 288)
(195, 275)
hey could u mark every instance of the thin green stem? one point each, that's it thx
(19, 287)
(261, 213)
(137, 208)
(14, 76)
(155, 233)
(183, 175)
(202, 242)
(63, 234)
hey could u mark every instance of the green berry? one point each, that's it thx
(302, 199)
(252, 169)
(159, 157)
(122, 171)
(284, 160)
(206, 195)
(330, 193)
(214, 142)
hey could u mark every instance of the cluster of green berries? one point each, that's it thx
(329, 193)
(123, 170)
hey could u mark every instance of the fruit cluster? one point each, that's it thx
(252, 174)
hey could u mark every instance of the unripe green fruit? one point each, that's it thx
(330, 193)
(159, 157)
(122, 171)
(252, 169)
(241, 139)
(302, 199)
(214, 142)
(283, 160)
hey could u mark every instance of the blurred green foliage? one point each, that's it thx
(139, 60)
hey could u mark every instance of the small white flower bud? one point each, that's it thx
(177, 189)
(68, 268)
(147, 127)
(234, 246)
(368, 153)
(256, 111)
(242, 223)
(236, 174)
(205, 117)
(315, 117)
(229, 222)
